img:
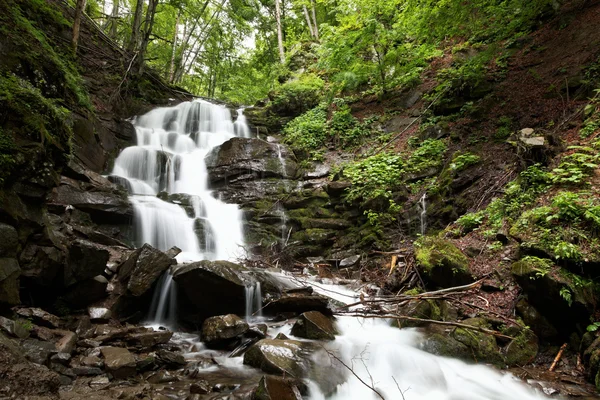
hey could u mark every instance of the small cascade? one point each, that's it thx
(163, 308)
(253, 301)
(283, 227)
(281, 160)
(423, 215)
(168, 158)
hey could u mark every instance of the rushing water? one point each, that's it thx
(167, 162)
(169, 157)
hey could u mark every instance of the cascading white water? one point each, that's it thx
(423, 215)
(169, 157)
(163, 308)
(253, 301)
(389, 360)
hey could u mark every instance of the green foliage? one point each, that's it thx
(375, 176)
(565, 293)
(433, 251)
(308, 131)
(470, 221)
(575, 168)
(7, 160)
(567, 251)
(345, 129)
(297, 96)
(430, 154)
(504, 129)
(463, 161)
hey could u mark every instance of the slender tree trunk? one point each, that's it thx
(310, 28)
(180, 67)
(149, 23)
(79, 7)
(314, 15)
(114, 16)
(172, 66)
(135, 28)
(279, 32)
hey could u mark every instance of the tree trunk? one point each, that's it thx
(149, 23)
(77, 23)
(172, 66)
(310, 28)
(279, 32)
(314, 15)
(135, 29)
(114, 16)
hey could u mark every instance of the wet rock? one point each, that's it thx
(220, 330)
(463, 343)
(349, 262)
(314, 325)
(39, 316)
(119, 362)
(417, 308)
(276, 388)
(9, 281)
(280, 357)
(14, 328)
(441, 262)
(87, 371)
(150, 265)
(170, 359)
(299, 302)
(38, 351)
(85, 261)
(200, 387)
(252, 157)
(10, 241)
(99, 313)
(522, 349)
(161, 377)
(212, 288)
(20, 378)
(92, 361)
(147, 340)
(86, 292)
(67, 343)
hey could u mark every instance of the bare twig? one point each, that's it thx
(353, 373)
(400, 390)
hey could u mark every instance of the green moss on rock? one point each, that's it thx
(442, 262)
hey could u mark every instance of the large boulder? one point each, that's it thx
(314, 325)
(150, 264)
(556, 293)
(280, 357)
(41, 264)
(212, 288)
(253, 158)
(9, 281)
(85, 260)
(221, 330)
(441, 262)
(299, 301)
(276, 388)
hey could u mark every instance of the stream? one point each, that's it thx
(167, 163)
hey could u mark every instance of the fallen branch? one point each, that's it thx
(558, 357)
(430, 321)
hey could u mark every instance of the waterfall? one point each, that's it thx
(423, 215)
(164, 302)
(253, 301)
(171, 144)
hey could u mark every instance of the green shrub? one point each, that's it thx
(307, 132)
(504, 129)
(576, 167)
(346, 129)
(463, 161)
(471, 221)
(375, 176)
(428, 155)
(298, 96)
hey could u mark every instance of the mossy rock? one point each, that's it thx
(441, 262)
(522, 349)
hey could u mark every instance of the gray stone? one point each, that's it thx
(350, 261)
(61, 358)
(92, 361)
(87, 371)
(38, 351)
(99, 313)
(39, 316)
(14, 328)
(276, 388)
(85, 261)
(200, 387)
(170, 359)
(314, 325)
(67, 343)
(150, 265)
(221, 329)
(149, 339)
(280, 357)
(119, 362)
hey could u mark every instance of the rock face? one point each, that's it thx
(275, 388)
(314, 325)
(442, 262)
(299, 301)
(280, 357)
(9, 281)
(220, 330)
(85, 261)
(119, 361)
(244, 156)
(147, 264)
(212, 288)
